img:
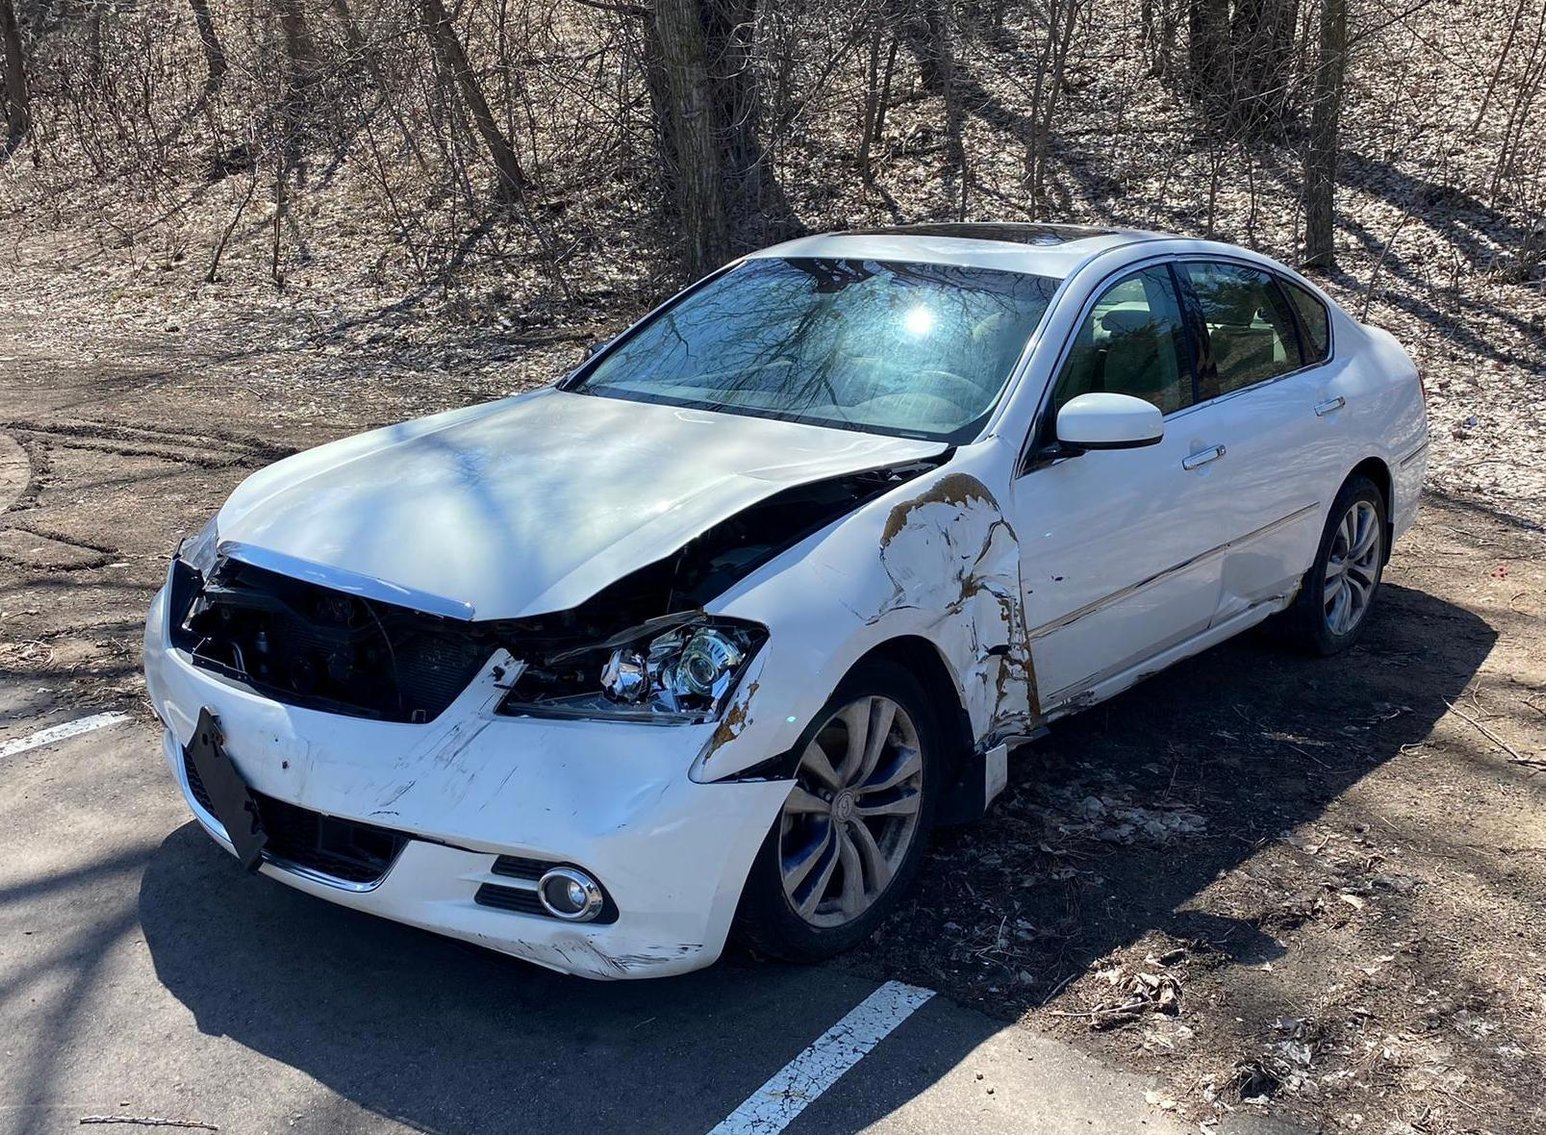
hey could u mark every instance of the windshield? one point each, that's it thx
(920, 350)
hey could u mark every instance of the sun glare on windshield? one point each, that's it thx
(919, 321)
(918, 350)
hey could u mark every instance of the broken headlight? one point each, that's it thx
(668, 670)
(192, 563)
(199, 551)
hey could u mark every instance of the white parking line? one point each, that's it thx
(60, 732)
(773, 1106)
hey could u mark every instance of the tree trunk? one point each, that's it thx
(446, 45)
(299, 47)
(18, 118)
(1320, 163)
(300, 71)
(214, 56)
(1046, 88)
(689, 132)
(921, 25)
(729, 27)
(1207, 48)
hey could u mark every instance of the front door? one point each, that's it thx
(1120, 546)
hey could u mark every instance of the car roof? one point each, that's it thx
(1055, 251)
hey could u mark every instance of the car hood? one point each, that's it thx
(527, 505)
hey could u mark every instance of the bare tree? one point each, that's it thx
(448, 48)
(1046, 89)
(708, 111)
(18, 115)
(214, 54)
(1320, 162)
(877, 94)
(689, 132)
(1240, 57)
(299, 46)
(922, 26)
(1261, 60)
(1530, 84)
(1207, 48)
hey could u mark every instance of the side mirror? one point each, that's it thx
(1109, 421)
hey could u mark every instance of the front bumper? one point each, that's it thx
(612, 798)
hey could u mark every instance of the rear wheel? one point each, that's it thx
(850, 836)
(1333, 606)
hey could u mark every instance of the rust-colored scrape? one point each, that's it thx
(1009, 670)
(736, 719)
(954, 488)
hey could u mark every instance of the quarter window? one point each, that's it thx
(1313, 319)
(1250, 327)
(1132, 342)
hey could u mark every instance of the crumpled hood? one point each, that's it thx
(534, 503)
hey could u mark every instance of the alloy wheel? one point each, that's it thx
(853, 813)
(1352, 568)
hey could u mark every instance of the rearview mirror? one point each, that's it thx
(1109, 421)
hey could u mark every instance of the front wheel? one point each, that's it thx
(1333, 606)
(850, 836)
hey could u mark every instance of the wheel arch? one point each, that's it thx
(923, 660)
(1378, 472)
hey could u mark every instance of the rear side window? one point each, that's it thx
(1133, 342)
(1250, 327)
(1313, 318)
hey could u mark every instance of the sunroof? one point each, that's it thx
(1013, 232)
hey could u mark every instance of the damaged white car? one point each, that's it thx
(708, 635)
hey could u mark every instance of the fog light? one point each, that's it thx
(570, 894)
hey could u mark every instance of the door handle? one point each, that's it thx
(1202, 457)
(1330, 406)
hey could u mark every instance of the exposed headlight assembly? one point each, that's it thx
(678, 669)
(199, 551)
(193, 562)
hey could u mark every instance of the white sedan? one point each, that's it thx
(708, 635)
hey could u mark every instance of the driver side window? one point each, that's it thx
(1132, 342)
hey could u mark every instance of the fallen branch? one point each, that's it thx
(149, 1121)
(1513, 753)
(1131, 1008)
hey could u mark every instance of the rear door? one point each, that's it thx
(1265, 376)
(1119, 545)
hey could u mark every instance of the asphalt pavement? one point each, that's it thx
(144, 976)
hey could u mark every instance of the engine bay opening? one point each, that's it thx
(315, 647)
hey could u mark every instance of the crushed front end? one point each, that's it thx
(468, 778)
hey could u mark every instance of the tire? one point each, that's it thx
(781, 920)
(1317, 621)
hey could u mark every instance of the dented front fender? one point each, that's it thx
(936, 559)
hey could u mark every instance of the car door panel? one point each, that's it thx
(1288, 465)
(1120, 547)
(1123, 555)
